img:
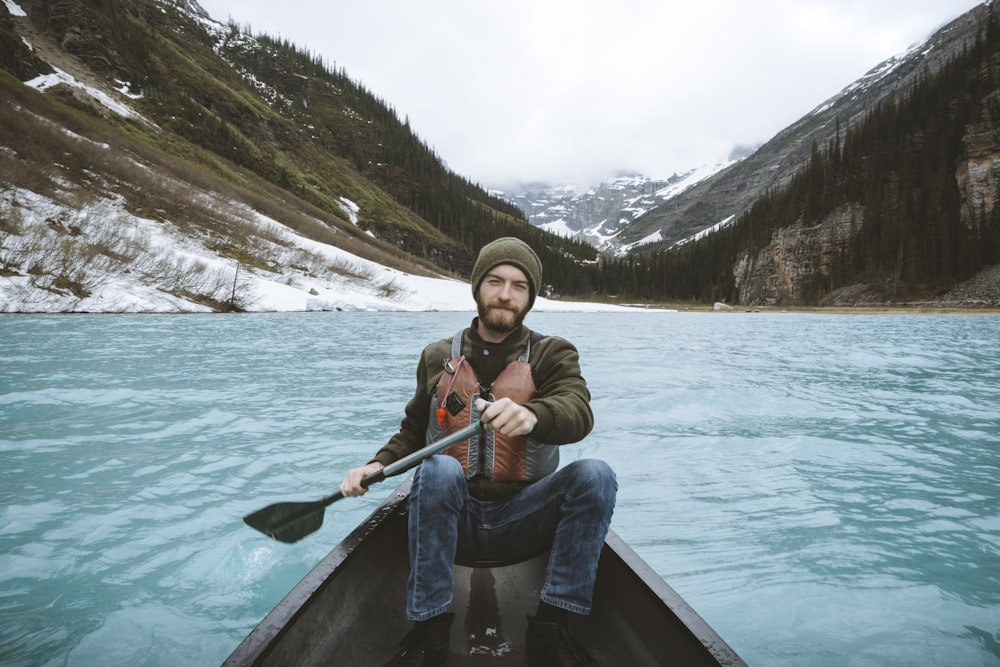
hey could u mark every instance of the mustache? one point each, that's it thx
(501, 303)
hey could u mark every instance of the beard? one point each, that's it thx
(501, 317)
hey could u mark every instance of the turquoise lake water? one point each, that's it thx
(823, 489)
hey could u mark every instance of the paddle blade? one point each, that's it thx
(288, 522)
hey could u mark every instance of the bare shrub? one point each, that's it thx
(390, 289)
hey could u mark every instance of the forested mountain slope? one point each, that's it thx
(900, 205)
(733, 190)
(152, 105)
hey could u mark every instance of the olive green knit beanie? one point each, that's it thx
(509, 250)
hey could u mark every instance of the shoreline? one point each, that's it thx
(874, 309)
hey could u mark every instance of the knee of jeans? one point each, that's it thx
(597, 475)
(440, 468)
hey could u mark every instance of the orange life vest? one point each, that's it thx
(494, 456)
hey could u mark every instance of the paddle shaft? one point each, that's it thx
(291, 521)
(411, 460)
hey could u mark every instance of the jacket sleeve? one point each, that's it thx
(562, 402)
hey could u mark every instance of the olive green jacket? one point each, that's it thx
(561, 402)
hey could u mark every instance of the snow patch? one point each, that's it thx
(14, 9)
(708, 230)
(46, 81)
(350, 208)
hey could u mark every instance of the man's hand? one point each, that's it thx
(351, 486)
(506, 417)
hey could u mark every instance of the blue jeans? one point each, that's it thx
(569, 511)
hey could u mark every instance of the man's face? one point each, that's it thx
(503, 298)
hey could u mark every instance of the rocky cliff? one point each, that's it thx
(799, 258)
(978, 173)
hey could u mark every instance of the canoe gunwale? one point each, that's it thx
(690, 620)
(268, 633)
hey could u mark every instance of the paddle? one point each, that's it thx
(290, 522)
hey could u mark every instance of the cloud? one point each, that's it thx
(571, 91)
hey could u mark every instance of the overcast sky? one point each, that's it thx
(571, 91)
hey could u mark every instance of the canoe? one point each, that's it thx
(349, 610)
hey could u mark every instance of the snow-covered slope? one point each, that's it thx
(599, 214)
(102, 258)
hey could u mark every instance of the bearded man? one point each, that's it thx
(500, 496)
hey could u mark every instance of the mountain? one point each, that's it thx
(898, 203)
(250, 155)
(154, 159)
(885, 193)
(733, 190)
(634, 211)
(599, 214)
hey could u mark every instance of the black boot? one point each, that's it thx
(551, 645)
(426, 645)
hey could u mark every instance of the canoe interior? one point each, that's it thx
(349, 610)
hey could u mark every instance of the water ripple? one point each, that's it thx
(821, 489)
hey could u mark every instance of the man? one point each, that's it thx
(500, 496)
